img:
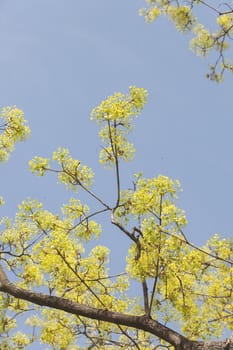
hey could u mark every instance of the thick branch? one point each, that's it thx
(144, 322)
(139, 322)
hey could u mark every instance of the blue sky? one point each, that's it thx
(59, 59)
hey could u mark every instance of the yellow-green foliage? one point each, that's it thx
(54, 252)
(185, 17)
(70, 171)
(115, 114)
(14, 129)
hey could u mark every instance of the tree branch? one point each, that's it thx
(140, 322)
(143, 322)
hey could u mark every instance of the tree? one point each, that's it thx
(186, 14)
(185, 301)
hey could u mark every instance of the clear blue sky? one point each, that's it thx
(59, 59)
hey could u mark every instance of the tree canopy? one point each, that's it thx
(56, 282)
(188, 17)
(184, 287)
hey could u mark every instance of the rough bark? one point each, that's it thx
(139, 322)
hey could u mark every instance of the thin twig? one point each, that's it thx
(197, 248)
(158, 255)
